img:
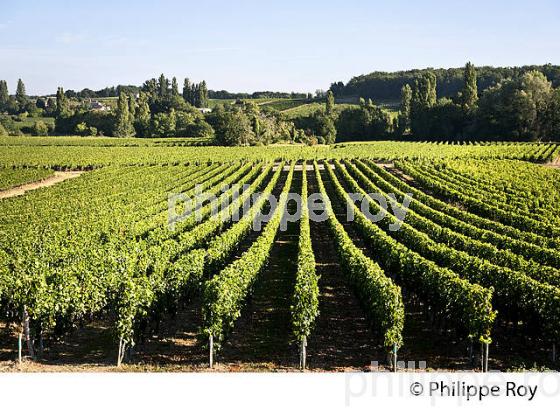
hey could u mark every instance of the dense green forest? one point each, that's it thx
(386, 86)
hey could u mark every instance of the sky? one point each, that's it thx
(259, 45)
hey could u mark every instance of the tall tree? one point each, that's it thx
(431, 84)
(469, 93)
(405, 109)
(123, 124)
(163, 86)
(196, 95)
(174, 87)
(252, 110)
(62, 109)
(187, 91)
(4, 94)
(424, 97)
(131, 108)
(424, 93)
(142, 121)
(151, 88)
(202, 95)
(20, 93)
(330, 103)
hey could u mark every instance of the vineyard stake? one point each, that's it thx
(20, 337)
(119, 353)
(120, 356)
(27, 333)
(41, 344)
(303, 353)
(484, 356)
(211, 358)
(394, 358)
(487, 355)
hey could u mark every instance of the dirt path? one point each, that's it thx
(342, 339)
(58, 177)
(262, 337)
(422, 343)
(553, 164)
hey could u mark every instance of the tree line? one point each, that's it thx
(159, 109)
(226, 95)
(114, 91)
(525, 107)
(386, 86)
(521, 107)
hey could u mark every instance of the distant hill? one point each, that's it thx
(386, 86)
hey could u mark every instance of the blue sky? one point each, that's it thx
(258, 45)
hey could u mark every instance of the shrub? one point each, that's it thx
(40, 129)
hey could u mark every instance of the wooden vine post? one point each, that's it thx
(394, 357)
(303, 353)
(41, 342)
(211, 353)
(20, 340)
(484, 356)
(27, 333)
(120, 357)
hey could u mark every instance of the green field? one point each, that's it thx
(30, 121)
(292, 107)
(306, 110)
(213, 102)
(284, 104)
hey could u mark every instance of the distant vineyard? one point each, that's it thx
(84, 153)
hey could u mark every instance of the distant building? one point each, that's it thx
(98, 106)
(205, 110)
